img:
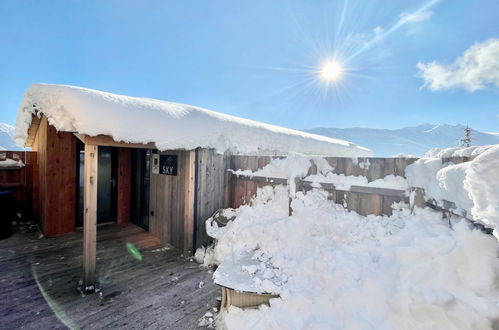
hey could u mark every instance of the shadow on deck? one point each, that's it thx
(39, 278)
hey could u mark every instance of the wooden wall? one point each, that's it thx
(56, 152)
(23, 182)
(172, 203)
(210, 168)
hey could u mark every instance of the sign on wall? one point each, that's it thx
(155, 164)
(168, 164)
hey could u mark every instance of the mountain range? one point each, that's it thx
(415, 140)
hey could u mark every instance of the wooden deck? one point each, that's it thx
(39, 276)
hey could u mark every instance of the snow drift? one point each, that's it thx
(6, 140)
(472, 186)
(169, 125)
(340, 270)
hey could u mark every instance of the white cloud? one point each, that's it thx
(477, 68)
(415, 17)
(364, 38)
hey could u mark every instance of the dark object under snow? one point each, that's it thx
(6, 213)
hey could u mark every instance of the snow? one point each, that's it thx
(340, 270)
(404, 155)
(472, 185)
(457, 152)
(6, 140)
(248, 272)
(168, 125)
(298, 167)
(11, 163)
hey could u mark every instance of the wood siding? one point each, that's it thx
(210, 168)
(172, 203)
(23, 182)
(56, 152)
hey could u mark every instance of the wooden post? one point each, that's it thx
(90, 216)
(189, 190)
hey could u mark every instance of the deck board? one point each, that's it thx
(39, 276)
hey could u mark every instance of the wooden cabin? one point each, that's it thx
(167, 178)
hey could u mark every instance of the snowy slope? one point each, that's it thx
(6, 140)
(169, 125)
(408, 140)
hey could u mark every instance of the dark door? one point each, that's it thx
(141, 175)
(106, 185)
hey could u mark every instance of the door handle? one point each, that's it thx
(113, 182)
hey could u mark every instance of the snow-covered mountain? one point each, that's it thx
(6, 142)
(408, 140)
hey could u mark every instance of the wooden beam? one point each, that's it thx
(32, 130)
(106, 140)
(80, 137)
(90, 216)
(190, 185)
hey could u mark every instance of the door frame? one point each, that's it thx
(114, 191)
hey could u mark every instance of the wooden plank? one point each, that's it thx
(90, 216)
(377, 191)
(256, 178)
(189, 184)
(376, 169)
(387, 203)
(389, 167)
(210, 189)
(228, 189)
(370, 204)
(165, 287)
(59, 178)
(106, 140)
(32, 130)
(80, 137)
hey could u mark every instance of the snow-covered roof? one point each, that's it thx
(168, 125)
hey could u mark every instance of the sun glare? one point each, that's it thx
(331, 71)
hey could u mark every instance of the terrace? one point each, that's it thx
(39, 278)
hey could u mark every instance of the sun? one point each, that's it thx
(331, 71)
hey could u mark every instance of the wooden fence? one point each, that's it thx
(22, 181)
(361, 199)
(240, 189)
(216, 188)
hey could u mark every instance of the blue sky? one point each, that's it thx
(260, 59)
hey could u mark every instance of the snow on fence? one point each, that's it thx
(239, 189)
(363, 200)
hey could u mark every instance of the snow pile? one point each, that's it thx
(284, 168)
(11, 163)
(6, 140)
(457, 152)
(298, 167)
(169, 125)
(472, 186)
(249, 271)
(404, 155)
(345, 271)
